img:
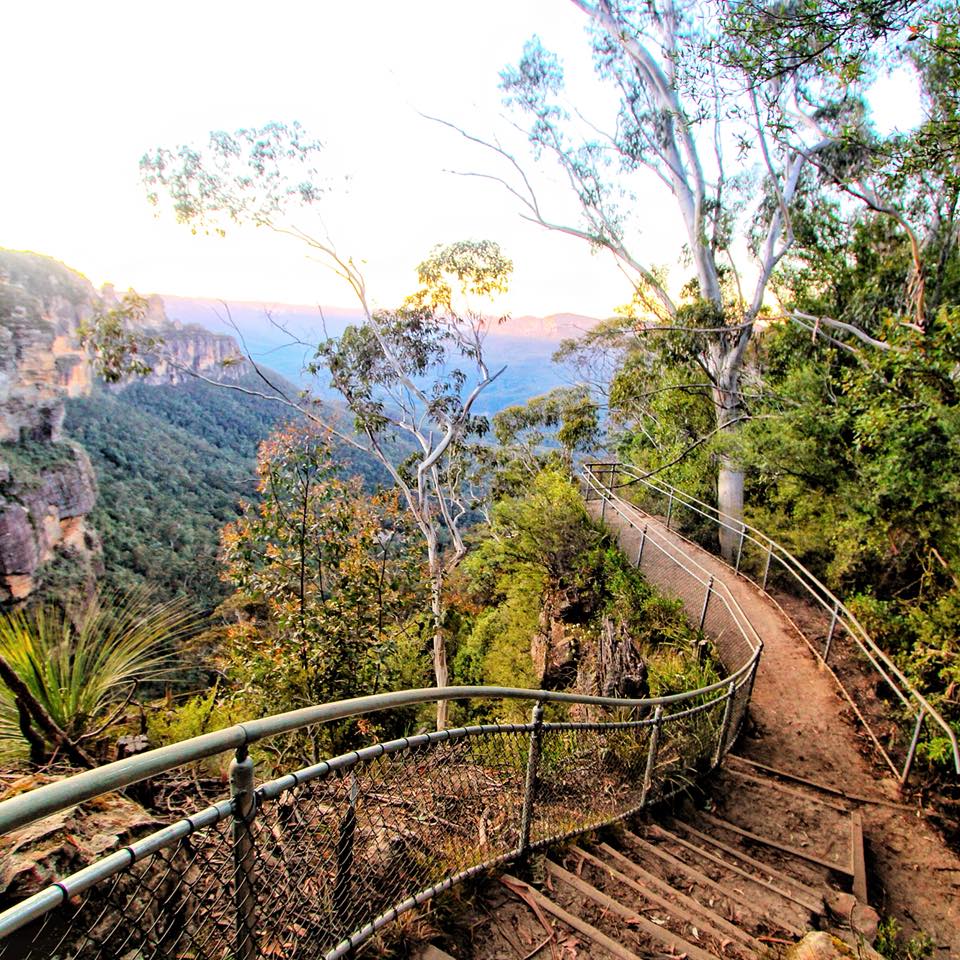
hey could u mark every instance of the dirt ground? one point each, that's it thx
(800, 722)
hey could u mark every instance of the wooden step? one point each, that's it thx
(659, 893)
(793, 851)
(571, 920)
(757, 872)
(723, 889)
(674, 942)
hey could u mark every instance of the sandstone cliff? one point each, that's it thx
(47, 485)
(185, 348)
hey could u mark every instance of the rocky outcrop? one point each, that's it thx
(185, 349)
(41, 361)
(46, 491)
(47, 485)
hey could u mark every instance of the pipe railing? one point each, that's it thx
(766, 552)
(312, 862)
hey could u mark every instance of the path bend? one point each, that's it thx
(800, 722)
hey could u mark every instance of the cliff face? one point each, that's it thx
(186, 348)
(41, 363)
(47, 485)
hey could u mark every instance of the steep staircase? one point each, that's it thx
(745, 871)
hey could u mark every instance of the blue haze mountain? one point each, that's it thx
(525, 345)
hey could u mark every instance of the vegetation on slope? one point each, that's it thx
(172, 464)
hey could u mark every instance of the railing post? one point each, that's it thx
(652, 753)
(766, 566)
(603, 507)
(643, 540)
(344, 877)
(244, 854)
(743, 534)
(833, 626)
(725, 723)
(530, 785)
(911, 753)
(706, 603)
(670, 508)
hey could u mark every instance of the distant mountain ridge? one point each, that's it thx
(282, 336)
(209, 312)
(555, 327)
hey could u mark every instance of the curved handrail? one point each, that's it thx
(29, 807)
(312, 813)
(839, 612)
(688, 563)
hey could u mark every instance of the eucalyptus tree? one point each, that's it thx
(830, 52)
(686, 119)
(410, 376)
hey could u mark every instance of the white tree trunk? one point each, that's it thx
(727, 403)
(730, 505)
(440, 670)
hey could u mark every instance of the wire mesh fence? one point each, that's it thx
(894, 714)
(311, 863)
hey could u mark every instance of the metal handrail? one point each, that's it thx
(841, 615)
(702, 724)
(688, 563)
(26, 808)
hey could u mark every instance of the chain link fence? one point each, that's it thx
(893, 713)
(312, 863)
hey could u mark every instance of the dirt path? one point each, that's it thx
(800, 722)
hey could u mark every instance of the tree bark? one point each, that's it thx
(440, 670)
(730, 478)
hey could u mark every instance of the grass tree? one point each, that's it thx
(68, 674)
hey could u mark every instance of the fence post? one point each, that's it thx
(643, 540)
(344, 877)
(244, 854)
(530, 785)
(725, 723)
(911, 753)
(743, 534)
(766, 566)
(833, 626)
(670, 508)
(652, 753)
(603, 507)
(706, 603)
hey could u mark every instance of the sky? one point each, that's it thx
(91, 87)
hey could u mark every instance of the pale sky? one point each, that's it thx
(89, 87)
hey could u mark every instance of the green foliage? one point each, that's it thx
(854, 467)
(76, 663)
(546, 532)
(29, 459)
(117, 350)
(204, 713)
(172, 463)
(324, 583)
(542, 552)
(891, 945)
(566, 417)
(166, 491)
